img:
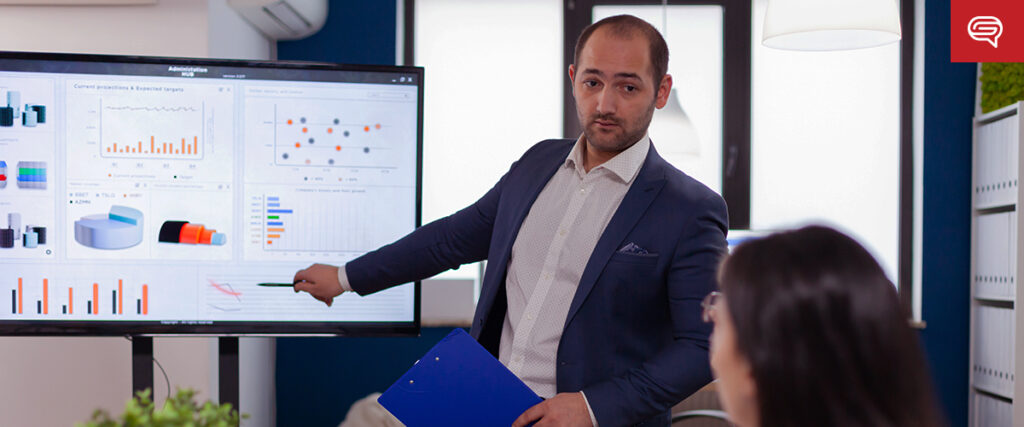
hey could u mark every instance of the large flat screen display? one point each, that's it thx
(153, 195)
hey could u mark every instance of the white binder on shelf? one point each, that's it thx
(992, 272)
(993, 350)
(995, 168)
(992, 411)
(1011, 287)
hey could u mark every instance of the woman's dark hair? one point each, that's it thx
(824, 333)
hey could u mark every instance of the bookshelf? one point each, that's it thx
(996, 325)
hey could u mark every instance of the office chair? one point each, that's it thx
(709, 417)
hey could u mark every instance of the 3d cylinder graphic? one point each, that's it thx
(32, 175)
(14, 223)
(6, 238)
(40, 113)
(186, 232)
(30, 239)
(6, 116)
(14, 101)
(119, 229)
(40, 231)
(29, 118)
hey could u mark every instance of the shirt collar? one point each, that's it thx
(625, 165)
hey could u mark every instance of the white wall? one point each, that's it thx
(192, 28)
(58, 381)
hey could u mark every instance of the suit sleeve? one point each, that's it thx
(681, 368)
(447, 243)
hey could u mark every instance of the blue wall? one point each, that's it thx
(319, 378)
(356, 32)
(948, 108)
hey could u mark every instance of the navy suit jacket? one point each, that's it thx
(633, 340)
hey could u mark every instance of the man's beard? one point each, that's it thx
(621, 142)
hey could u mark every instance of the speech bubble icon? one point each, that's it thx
(985, 29)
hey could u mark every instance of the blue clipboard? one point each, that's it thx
(458, 383)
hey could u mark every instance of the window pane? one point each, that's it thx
(825, 141)
(493, 74)
(688, 131)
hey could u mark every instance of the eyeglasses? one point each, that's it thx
(709, 304)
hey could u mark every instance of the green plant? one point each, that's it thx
(178, 411)
(1002, 84)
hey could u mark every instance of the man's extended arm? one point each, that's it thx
(447, 243)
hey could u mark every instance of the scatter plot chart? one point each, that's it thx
(329, 140)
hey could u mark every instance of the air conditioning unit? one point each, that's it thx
(283, 19)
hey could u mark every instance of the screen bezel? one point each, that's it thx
(228, 328)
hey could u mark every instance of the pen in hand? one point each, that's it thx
(274, 284)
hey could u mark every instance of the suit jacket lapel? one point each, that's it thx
(648, 184)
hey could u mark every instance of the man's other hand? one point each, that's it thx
(320, 280)
(565, 409)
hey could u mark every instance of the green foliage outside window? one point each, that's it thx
(1002, 84)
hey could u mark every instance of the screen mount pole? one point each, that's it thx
(142, 363)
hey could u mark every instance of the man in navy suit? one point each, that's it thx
(599, 252)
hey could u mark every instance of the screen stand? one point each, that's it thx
(142, 367)
(228, 371)
(142, 364)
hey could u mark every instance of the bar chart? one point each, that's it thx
(324, 224)
(46, 298)
(299, 222)
(187, 149)
(151, 131)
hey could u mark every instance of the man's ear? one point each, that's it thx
(664, 88)
(572, 78)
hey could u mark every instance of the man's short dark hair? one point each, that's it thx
(629, 26)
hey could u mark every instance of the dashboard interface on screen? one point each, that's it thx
(161, 192)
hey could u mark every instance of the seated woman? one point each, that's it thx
(809, 332)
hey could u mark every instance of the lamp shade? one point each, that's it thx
(830, 24)
(672, 127)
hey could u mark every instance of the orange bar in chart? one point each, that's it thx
(71, 301)
(152, 144)
(21, 296)
(165, 149)
(182, 145)
(273, 236)
(279, 230)
(95, 298)
(140, 146)
(120, 296)
(145, 299)
(46, 296)
(195, 145)
(108, 149)
(115, 147)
